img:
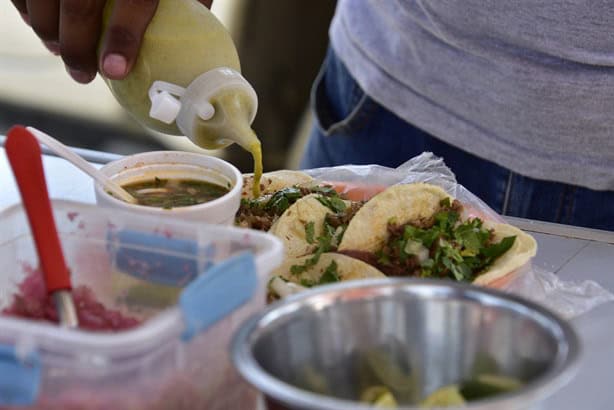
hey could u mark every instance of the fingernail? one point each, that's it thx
(53, 46)
(114, 65)
(80, 76)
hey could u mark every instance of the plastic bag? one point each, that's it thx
(359, 182)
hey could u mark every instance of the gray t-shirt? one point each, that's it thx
(527, 84)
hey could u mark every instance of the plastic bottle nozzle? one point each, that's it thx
(217, 109)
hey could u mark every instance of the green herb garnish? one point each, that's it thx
(449, 247)
(334, 203)
(310, 232)
(281, 200)
(308, 283)
(325, 243)
(330, 275)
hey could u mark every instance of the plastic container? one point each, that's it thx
(177, 164)
(178, 357)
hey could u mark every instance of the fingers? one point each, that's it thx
(22, 7)
(72, 28)
(124, 34)
(79, 31)
(43, 16)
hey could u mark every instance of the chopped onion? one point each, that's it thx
(418, 249)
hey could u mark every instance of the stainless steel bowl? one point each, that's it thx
(319, 349)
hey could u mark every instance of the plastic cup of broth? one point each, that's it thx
(179, 184)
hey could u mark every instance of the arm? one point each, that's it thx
(72, 29)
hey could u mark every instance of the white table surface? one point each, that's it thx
(571, 253)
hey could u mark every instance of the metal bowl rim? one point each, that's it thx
(563, 367)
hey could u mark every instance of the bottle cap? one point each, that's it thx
(170, 102)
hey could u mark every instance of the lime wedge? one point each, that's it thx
(378, 396)
(444, 397)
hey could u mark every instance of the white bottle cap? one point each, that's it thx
(170, 102)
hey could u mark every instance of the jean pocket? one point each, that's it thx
(339, 104)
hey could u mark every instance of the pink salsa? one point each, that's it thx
(32, 302)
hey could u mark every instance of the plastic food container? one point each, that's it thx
(190, 284)
(177, 164)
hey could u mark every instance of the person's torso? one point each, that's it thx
(515, 81)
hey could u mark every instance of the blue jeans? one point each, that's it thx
(351, 128)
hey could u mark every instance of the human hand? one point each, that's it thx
(72, 29)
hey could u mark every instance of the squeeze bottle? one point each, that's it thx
(187, 81)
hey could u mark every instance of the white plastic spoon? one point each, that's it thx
(66, 153)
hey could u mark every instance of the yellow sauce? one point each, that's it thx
(256, 151)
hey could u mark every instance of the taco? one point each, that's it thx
(298, 274)
(300, 225)
(314, 223)
(420, 230)
(410, 202)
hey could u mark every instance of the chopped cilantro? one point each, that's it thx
(282, 199)
(497, 249)
(331, 236)
(298, 269)
(457, 249)
(330, 275)
(334, 203)
(324, 190)
(325, 243)
(310, 232)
